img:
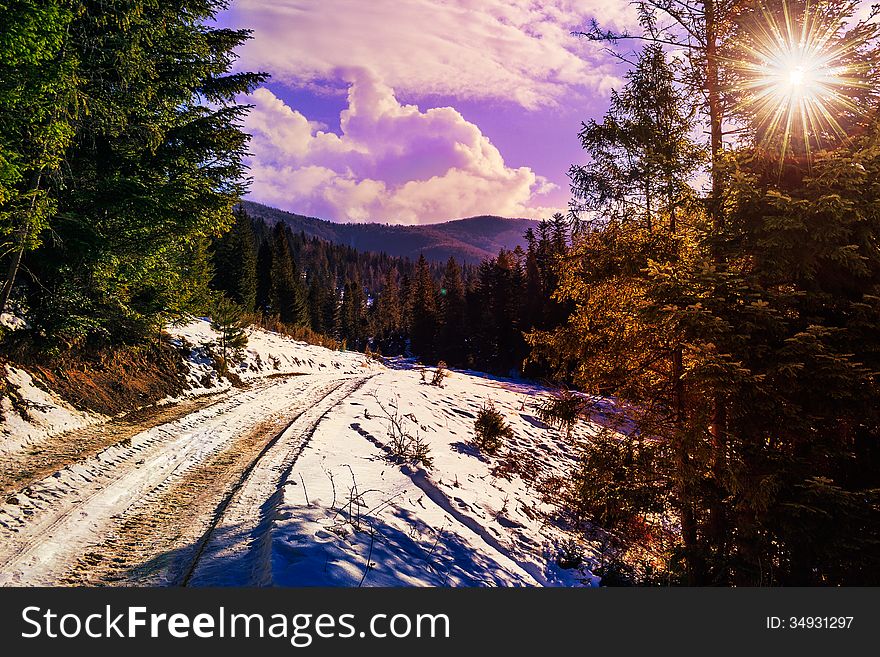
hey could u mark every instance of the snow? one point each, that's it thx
(49, 414)
(349, 516)
(325, 504)
(57, 519)
(12, 321)
(267, 354)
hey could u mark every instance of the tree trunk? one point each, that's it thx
(715, 114)
(693, 559)
(717, 530)
(19, 238)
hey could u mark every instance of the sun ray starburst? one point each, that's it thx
(796, 77)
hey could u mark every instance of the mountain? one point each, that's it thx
(469, 240)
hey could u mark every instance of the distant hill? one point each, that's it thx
(469, 240)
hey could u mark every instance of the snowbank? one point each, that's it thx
(48, 414)
(12, 322)
(267, 354)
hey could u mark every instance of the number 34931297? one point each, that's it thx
(810, 622)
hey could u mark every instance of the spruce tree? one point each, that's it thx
(500, 346)
(226, 319)
(154, 165)
(451, 341)
(423, 312)
(353, 315)
(636, 186)
(787, 333)
(286, 293)
(38, 103)
(537, 293)
(744, 340)
(388, 316)
(317, 303)
(263, 289)
(235, 262)
(641, 154)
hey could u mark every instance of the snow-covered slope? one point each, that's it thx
(267, 354)
(47, 414)
(349, 516)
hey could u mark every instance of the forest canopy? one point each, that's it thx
(120, 157)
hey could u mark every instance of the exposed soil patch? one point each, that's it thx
(20, 469)
(112, 381)
(105, 380)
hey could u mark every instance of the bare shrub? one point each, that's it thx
(440, 373)
(405, 444)
(374, 354)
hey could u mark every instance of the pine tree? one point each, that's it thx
(451, 341)
(235, 262)
(286, 294)
(423, 309)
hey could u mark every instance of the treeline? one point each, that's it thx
(738, 326)
(120, 158)
(467, 316)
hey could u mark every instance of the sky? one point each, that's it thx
(419, 111)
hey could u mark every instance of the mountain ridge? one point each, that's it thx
(469, 240)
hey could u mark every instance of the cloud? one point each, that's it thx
(518, 51)
(390, 162)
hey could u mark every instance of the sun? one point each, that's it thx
(795, 76)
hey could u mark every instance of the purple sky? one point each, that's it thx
(417, 111)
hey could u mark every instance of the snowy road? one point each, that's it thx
(172, 503)
(293, 481)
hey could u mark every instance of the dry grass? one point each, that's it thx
(299, 333)
(110, 380)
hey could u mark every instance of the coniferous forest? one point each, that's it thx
(465, 315)
(717, 275)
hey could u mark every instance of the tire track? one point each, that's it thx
(236, 548)
(76, 526)
(19, 470)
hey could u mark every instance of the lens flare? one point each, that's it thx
(795, 78)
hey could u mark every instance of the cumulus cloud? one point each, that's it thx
(519, 51)
(390, 162)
